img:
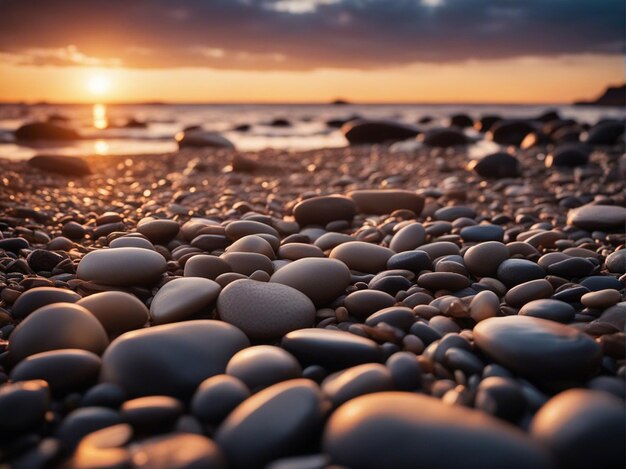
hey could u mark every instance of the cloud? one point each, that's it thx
(303, 34)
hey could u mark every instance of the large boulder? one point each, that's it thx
(45, 131)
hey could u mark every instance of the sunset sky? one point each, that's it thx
(544, 51)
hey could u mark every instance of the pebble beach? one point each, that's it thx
(373, 306)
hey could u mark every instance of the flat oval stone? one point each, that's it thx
(246, 263)
(151, 414)
(443, 281)
(415, 261)
(57, 326)
(582, 428)
(574, 267)
(324, 209)
(265, 310)
(407, 430)
(363, 303)
(23, 406)
(322, 280)
(484, 305)
(172, 359)
(528, 291)
(482, 233)
(179, 451)
(206, 266)
(344, 385)
(295, 251)
(601, 282)
(183, 297)
(37, 297)
(514, 272)
(81, 422)
(240, 228)
(454, 212)
(598, 217)
(262, 366)
(122, 266)
(294, 409)
(158, 230)
(554, 310)
(253, 243)
(538, 348)
(216, 397)
(408, 238)
(601, 299)
(334, 350)
(497, 165)
(396, 316)
(362, 257)
(131, 242)
(440, 248)
(117, 311)
(616, 262)
(385, 201)
(65, 371)
(484, 259)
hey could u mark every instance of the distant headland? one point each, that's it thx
(613, 96)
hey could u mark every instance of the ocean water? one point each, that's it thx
(103, 131)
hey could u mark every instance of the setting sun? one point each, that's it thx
(98, 85)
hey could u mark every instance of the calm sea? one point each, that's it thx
(102, 126)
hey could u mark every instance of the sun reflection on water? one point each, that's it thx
(100, 116)
(101, 147)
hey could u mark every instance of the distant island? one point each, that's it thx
(613, 96)
(340, 102)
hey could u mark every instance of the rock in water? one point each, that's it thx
(265, 310)
(496, 165)
(45, 131)
(172, 359)
(275, 422)
(583, 428)
(361, 131)
(122, 266)
(198, 138)
(66, 165)
(538, 348)
(406, 430)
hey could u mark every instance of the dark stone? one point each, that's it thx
(81, 422)
(444, 138)
(406, 372)
(324, 209)
(23, 407)
(551, 309)
(396, 316)
(65, 165)
(481, 233)
(485, 123)
(574, 267)
(37, 297)
(361, 131)
(461, 121)
(13, 244)
(514, 272)
(605, 133)
(601, 282)
(391, 284)
(216, 397)
(568, 155)
(344, 385)
(42, 260)
(497, 165)
(415, 261)
(334, 350)
(510, 132)
(45, 131)
(501, 397)
(262, 366)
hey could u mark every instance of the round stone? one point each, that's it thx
(414, 261)
(554, 310)
(616, 262)
(528, 291)
(502, 398)
(322, 280)
(81, 422)
(407, 430)
(253, 243)
(382, 202)
(265, 310)
(152, 414)
(334, 350)
(57, 326)
(582, 428)
(538, 348)
(408, 238)
(206, 266)
(598, 217)
(65, 371)
(324, 209)
(484, 305)
(362, 257)
(514, 272)
(117, 311)
(246, 263)
(601, 299)
(122, 266)
(183, 297)
(179, 451)
(275, 422)
(171, 359)
(158, 230)
(496, 165)
(363, 379)
(37, 297)
(262, 366)
(568, 155)
(216, 397)
(484, 259)
(363, 303)
(23, 406)
(131, 242)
